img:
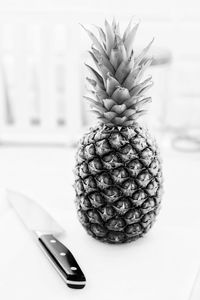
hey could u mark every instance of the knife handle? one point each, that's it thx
(63, 260)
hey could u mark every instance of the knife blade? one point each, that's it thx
(47, 230)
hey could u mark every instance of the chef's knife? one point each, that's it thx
(46, 229)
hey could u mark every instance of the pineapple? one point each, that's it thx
(118, 177)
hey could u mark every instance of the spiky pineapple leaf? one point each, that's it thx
(132, 101)
(120, 120)
(117, 29)
(103, 59)
(145, 89)
(95, 40)
(101, 94)
(104, 72)
(119, 108)
(95, 60)
(109, 103)
(92, 82)
(142, 102)
(122, 71)
(143, 53)
(121, 94)
(110, 115)
(110, 37)
(102, 35)
(121, 47)
(111, 84)
(139, 87)
(97, 113)
(102, 68)
(129, 112)
(115, 57)
(127, 30)
(128, 123)
(128, 42)
(104, 120)
(129, 81)
(97, 76)
(94, 102)
(138, 114)
(142, 70)
(114, 24)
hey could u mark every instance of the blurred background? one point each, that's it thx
(43, 114)
(42, 53)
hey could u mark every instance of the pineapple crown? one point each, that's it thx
(117, 94)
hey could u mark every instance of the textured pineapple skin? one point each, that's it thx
(118, 182)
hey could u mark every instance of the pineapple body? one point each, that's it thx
(118, 182)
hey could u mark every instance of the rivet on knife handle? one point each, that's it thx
(63, 260)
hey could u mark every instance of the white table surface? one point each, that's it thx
(160, 266)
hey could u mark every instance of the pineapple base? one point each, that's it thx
(118, 183)
(113, 237)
